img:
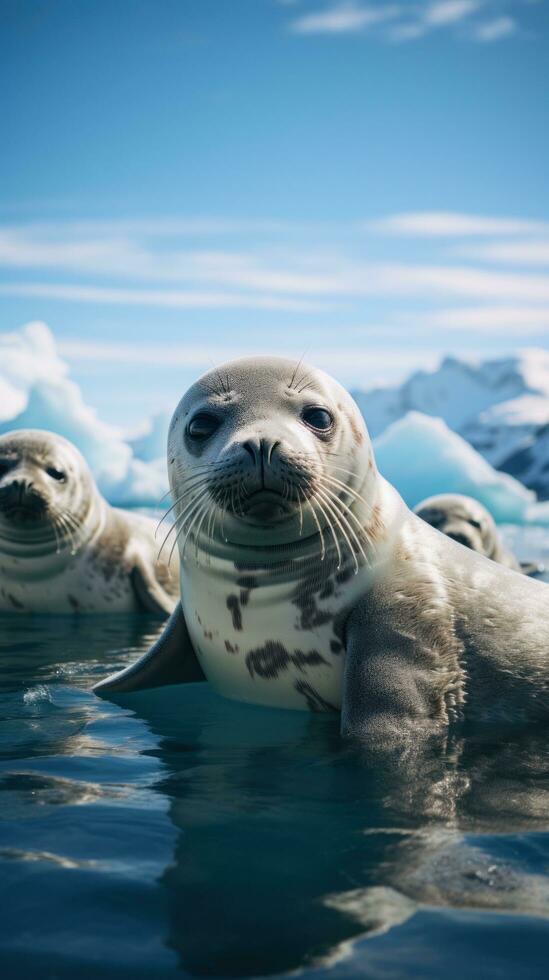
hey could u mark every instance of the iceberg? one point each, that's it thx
(149, 444)
(37, 393)
(422, 456)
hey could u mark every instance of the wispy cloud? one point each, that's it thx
(350, 280)
(110, 265)
(449, 12)
(344, 18)
(495, 30)
(412, 20)
(452, 224)
(528, 253)
(336, 358)
(491, 319)
(174, 299)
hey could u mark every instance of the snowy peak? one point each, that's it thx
(458, 391)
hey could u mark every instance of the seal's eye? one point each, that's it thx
(476, 524)
(318, 418)
(202, 426)
(56, 474)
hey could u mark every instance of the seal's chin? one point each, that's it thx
(266, 507)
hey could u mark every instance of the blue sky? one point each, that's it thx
(187, 181)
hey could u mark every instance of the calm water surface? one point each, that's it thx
(177, 834)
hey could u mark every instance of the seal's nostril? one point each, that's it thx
(271, 449)
(251, 448)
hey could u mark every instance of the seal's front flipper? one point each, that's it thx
(389, 686)
(151, 593)
(171, 660)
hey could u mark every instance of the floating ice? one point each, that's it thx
(421, 456)
(150, 443)
(37, 393)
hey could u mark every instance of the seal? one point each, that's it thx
(62, 547)
(306, 582)
(465, 520)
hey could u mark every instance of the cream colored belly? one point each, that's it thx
(257, 645)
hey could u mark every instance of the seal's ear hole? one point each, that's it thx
(202, 426)
(55, 474)
(317, 418)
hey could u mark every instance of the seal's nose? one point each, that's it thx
(19, 488)
(260, 449)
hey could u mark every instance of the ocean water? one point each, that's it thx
(177, 834)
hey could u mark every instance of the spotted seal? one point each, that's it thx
(306, 582)
(468, 522)
(62, 547)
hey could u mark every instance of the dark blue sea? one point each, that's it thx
(177, 834)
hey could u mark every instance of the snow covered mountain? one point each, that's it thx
(501, 407)
(531, 462)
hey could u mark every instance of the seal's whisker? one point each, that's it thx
(195, 517)
(196, 477)
(347, 489)
(223, 505)
(300, 514)
(337, 517)
(332, 530)
(210, 530)
(182, 517)
(363, 530)
(54, 524)
(346, 512)
(68, 523)
(205, 513)
(296, 369)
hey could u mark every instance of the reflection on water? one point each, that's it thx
(177, 834)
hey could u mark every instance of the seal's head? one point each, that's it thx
(46, 489)
(278, 449)
(463, 519)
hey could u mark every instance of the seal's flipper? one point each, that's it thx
(389, 687)
(149, 593)
(171, 660)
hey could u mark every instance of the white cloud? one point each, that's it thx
(491, 319)
(449, 11)
(495, 30)
(113, 269)
(349, 279)
(351, 360)
(452, 224)
(345, 18)
(174, 299)
(530, 252)
(409, 21)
